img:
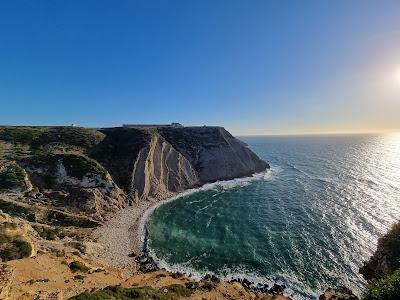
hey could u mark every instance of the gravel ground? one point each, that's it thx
(122, 237)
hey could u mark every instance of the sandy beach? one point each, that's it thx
(121, 237)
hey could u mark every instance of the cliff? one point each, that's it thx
(58, 185)
(214, 152)
(386, 258)
(92, 172)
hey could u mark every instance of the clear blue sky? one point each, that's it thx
(252, 66)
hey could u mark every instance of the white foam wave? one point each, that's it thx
(294, 288)
(224, 184)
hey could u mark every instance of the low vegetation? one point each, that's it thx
(12, 246)
(79, 165)
(76, 165)
(383, 268)
(386, 259)
(77, 266)
(386, 288)
(49, 233)
(171, 292)
(17, 210)
(41, 136)
(46, 216)
(11, 177)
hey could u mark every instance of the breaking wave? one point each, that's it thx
(308, 223)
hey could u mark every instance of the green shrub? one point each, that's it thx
(386, 259)
(21, 134)
(79, 277)
(77, 266)
(207, 286)
(49, 233)
(41, 136)
(11, 177)
(386, 288)
(79, 165)
(116, 292)
(13, 247)
(14, 209)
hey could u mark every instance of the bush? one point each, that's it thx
(11, 177)
(13, 247)
(42, 136)
(79, 165)
(140, 293)
(49, 233)
(386, 288)
(77, 266)
(386, 259)
(79, 277)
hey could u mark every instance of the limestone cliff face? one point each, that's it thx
(214, 152)
(160, 171)
(158, 162)
(75, 181)
(97, 171)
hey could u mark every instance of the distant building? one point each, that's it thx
(174, 125)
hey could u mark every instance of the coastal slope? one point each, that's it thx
(71, 199)
(98, 171)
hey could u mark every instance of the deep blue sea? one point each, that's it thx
(309, 222)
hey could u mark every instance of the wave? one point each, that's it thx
(222, 184)
(294, 289)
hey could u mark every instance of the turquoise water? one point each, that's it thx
(309, 222)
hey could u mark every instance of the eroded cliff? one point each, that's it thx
(386, 258)
(93, 172)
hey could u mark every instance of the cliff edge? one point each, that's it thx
(93, 172)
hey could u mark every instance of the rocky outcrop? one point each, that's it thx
(386, 258)
(6, 273)
(158, 162)
(214, 152)
(75, 181)
(338, 294)
(14, 178)
(118, 152)
(160, 171)
(98, 171)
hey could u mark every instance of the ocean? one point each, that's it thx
(309, 222)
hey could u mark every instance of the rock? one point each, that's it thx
(133, 254)
(246, 283)
(159, 171)
(6, 273)
(277, 289)
(214, 152)
(386, 258)
(97, 172)
(341, 293)
(49, 295)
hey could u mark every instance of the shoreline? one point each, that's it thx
(123, 237)
(120, 240)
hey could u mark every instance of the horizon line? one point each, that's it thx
(306, 133)
(325, 133)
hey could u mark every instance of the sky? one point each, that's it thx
(254, 67)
